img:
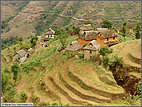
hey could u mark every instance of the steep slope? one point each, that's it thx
(41, 15)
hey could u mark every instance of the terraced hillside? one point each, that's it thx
(50, 76)
(130, 51)
(37, 16)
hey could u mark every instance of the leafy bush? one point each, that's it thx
(105, 51)
(56, 103)
(23, 96)
(81, 56)
(115, 60)
(139, 89)
(105, 59)
(15, 68)
(25, 46)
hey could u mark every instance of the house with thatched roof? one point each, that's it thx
(87, 37)
(20, 56)
(86, 28)
(91, 49)
(48, 35)
(107, 37)
(73, 46)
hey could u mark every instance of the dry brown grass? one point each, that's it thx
(123, 50)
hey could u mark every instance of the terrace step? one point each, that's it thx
(72, 97)
(95, 89)
(85, 94)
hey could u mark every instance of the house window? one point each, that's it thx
(107, 39)
(113, 38)
(84, 32)
(90, 52)
(51, 35)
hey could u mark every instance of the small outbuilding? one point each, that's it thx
(73, 46)
(31, 51)
(91, 49)
(20, 56)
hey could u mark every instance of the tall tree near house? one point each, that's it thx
(124, 30)
(137, 30)
(62, 36)
(15, 68)
(107, 24)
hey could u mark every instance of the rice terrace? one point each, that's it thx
(71, 53)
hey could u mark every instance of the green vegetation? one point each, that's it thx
(105, 51)
(138, 30)
(11, 41)
(107, 24)
(15, 69)
(124, 30)
(34, 40)
(23, 96)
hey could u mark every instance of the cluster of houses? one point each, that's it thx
(93, 38)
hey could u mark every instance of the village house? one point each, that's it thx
(107, 37)
(86, 28)
(73, 47)
(91, 49)
(48, 35)
(20, 56)
(87, 37)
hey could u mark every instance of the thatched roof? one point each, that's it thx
(108, 33)
(49, 32)
(101, 29)
(89, 35)
(87, 27)
(93, 45)
(73, 46)
(22, 53)
(31, 50)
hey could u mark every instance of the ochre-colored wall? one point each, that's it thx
(82, 42)
(100, 41)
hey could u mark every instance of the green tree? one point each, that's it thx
(25, 46)
(124, 30)
(33, 40)
(62, 36)
(137, 30)
(107, 24)
(15, 68)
